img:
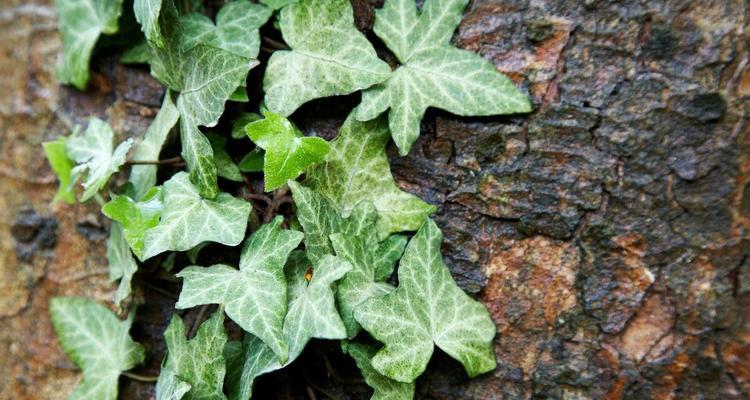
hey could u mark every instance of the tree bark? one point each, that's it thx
(606, 231)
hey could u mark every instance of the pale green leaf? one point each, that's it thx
(329, 56)
(427, 309)
(138, 54)
(287, 152)
(147, 14)
(277, 4)
(385, 388)
(62, 166)
(122, 265)
(136, 217)
(143, 177)
(225, 166)
(92, 151)
(255, 296)
(188, 219)
(356, 169)
(311, 314)
(198, 362)
(97, 342)
(432, 72)
(81, 22)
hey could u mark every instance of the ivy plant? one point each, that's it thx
(310, 239)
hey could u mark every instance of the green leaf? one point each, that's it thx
(188, 219)
(147, 14)
(225, 166)
(238, 125)
(143, 177)
(311, 314)
(138, 54)
(97, 342)
(81, 22)
(236, 28)
(432, 72)
(136, 218)
(277, 4)
(197, 364)
(122, 265)
(288, 152)
(357, 170)
(385, 388)
(427, 309)
(240, 95)
(62, 166)
(329, 56)
(252, 161)
(92, 150)
(255, 297)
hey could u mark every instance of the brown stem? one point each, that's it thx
(198, 320)
(275, 44)
(140, 378)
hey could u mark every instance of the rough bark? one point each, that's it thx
(607, 231)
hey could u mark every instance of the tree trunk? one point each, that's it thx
(607, 231)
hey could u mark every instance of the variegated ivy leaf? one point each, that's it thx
(311, 314)
(432, 72)
(427, 309)
(62, 166)
(254, 296)
(288, 153)
(385, 388)
(92, 150)
(143, 177)
(277, 4)
(147, 14)
(354, 240)
(329, 56)
(81, 22)
(225, 166)
(136, 217)
(196, 364)
(188, 219)
(122, 265)
(357, 169)
(97, 342)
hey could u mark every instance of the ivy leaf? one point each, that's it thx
(122, 265)
(277, 4)
(288, 152)
(143, 177)
(62, 166)
(147, 14)
(97, 342)
(239, 124)
(432, 72)
(197, 364)
(357, 170)
(81, 22)
(255, 297)
(385, 388)
(252, 161)
(136, 218)
(311, 314)
(138, 54)
(188, 219)
(329, 56)
(92, 150)
(427, 309)
(225, 166)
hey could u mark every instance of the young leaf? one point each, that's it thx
(254, 297)
(385, 388)
(122, 265)
(197, 364)
(311, 314)
(329, 56)
(188, 219)
(62, 166)
(432, 72)
(92, 150)
(136, 218)
(143, 177)
(288, 152)
(81, 22)
(357, 169)
(97, 342)
(225, 166)
(427, 309)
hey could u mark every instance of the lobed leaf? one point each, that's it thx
(122, 265)
(136, 218)
(385, 388)
(62, 166)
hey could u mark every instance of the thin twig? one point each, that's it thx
(275, 44)
(311, 393)
(159, 290)
(198, 319)
(167, 161)
(140, 378)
